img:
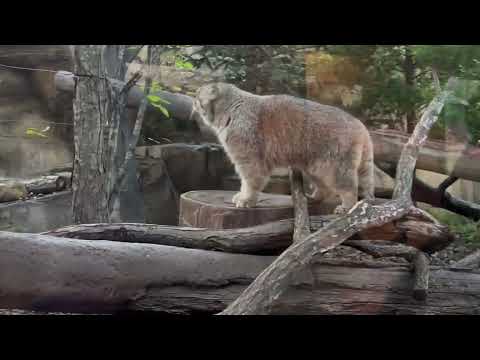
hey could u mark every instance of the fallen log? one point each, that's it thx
(49, 184)
(17, 190)
(459, 160)
(268, 238)
(44, 273)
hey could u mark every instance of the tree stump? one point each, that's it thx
(215, 210)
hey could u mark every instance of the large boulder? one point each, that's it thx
(171, 170)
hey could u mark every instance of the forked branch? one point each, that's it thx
(259, 297)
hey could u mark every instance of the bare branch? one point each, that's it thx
(447, 183)
(134, 55)
(421, 276)
(408, 159)
(132, 82)
(300, 206)
(138, 125)
(261, 294)
(436, 80)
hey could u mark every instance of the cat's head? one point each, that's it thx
(207, 96)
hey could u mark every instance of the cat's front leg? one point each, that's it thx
(252, 184)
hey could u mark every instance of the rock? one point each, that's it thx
(12, 192)
(170, 170)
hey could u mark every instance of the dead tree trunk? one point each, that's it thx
(100, 136)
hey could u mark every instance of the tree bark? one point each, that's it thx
(421, 276)
(44, 273)
(100, 136)
(300, 207)
(409, 69)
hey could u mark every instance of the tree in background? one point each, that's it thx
(398, 83)
(396, 79)
(261, 69)
(105, 187)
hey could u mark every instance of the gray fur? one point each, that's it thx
(263, 133)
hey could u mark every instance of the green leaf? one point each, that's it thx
(154, 98)
(179, 64)
(35, 132)
(162, 109)
(164, 101)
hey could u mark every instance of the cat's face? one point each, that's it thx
(203, 102)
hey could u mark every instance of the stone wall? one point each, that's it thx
(27, 101)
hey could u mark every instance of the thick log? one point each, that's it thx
(44, 273)
(459, 160)
(16, 190)
(49, 184)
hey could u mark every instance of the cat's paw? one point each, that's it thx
(340, 210)
(241, 201)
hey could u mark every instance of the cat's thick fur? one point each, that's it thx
(262, 133)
